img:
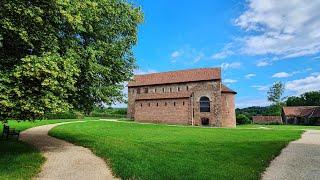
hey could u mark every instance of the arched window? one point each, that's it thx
(204, 104)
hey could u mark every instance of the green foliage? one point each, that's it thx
(242, 119)
(275, 93)
(64, 115)
(139, 151)
(273, 110)
(37, 86)
(57, 54)
(306, 99)
(109, 112)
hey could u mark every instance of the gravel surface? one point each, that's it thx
(299, 160)
(65, 160)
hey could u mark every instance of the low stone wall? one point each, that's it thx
(266, 119)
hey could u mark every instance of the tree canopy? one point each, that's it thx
(275, 93)
(61, 54)
(306, 99)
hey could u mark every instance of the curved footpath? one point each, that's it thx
(65, 160)
(299, 160)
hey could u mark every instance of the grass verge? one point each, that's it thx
(19, 160)
(142, 151)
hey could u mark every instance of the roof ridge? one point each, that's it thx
(182, 70)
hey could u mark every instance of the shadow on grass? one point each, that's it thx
(18, 160)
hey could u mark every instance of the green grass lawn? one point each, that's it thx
(137, 151)
(278, 127)
(19, 160)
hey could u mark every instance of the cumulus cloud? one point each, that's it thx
(248, 76)
(281, 28)
(310, 83)
(233, 65)
(230, 81)
(281, 75)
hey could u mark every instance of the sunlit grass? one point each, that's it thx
(140, 151)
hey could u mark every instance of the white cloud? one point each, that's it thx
(230, 81)
(310, 83)
(248, 76)
(176, 54)
(234, 65)
(261, 87)
(315, 73)
(224, 53)
(187, 54)
(198, 57)
(263, 63)
(140, 71)
(281, 75)
(281, 28)
(316, 58)
(248, 102)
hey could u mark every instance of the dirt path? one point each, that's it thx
(65, 160)
(299, 160)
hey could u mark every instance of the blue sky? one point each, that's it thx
(255, 42)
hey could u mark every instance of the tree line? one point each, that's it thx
(275, 96)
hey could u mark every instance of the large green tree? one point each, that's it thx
(311, 98)
(81, 48)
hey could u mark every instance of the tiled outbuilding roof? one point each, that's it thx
(225, 89)
(302, 111)
(190, 75)
(173, 95)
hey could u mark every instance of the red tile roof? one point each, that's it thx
(173, 95)
(302, 111)
(225, 89)
(190, 75)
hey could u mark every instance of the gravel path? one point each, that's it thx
(65, 160)
(299, 160)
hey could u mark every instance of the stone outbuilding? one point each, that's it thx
(190, 97)
(301, 115)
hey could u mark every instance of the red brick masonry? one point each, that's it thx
(174, 98)
(266, 119)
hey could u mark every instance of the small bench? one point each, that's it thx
(7, 131)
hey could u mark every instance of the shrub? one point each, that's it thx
(243, 119)
(65, 115)
(106, 115)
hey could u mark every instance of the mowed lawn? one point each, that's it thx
(19, 160)
(278, 127)
(140, 151)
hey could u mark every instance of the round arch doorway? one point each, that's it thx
(205, 121)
